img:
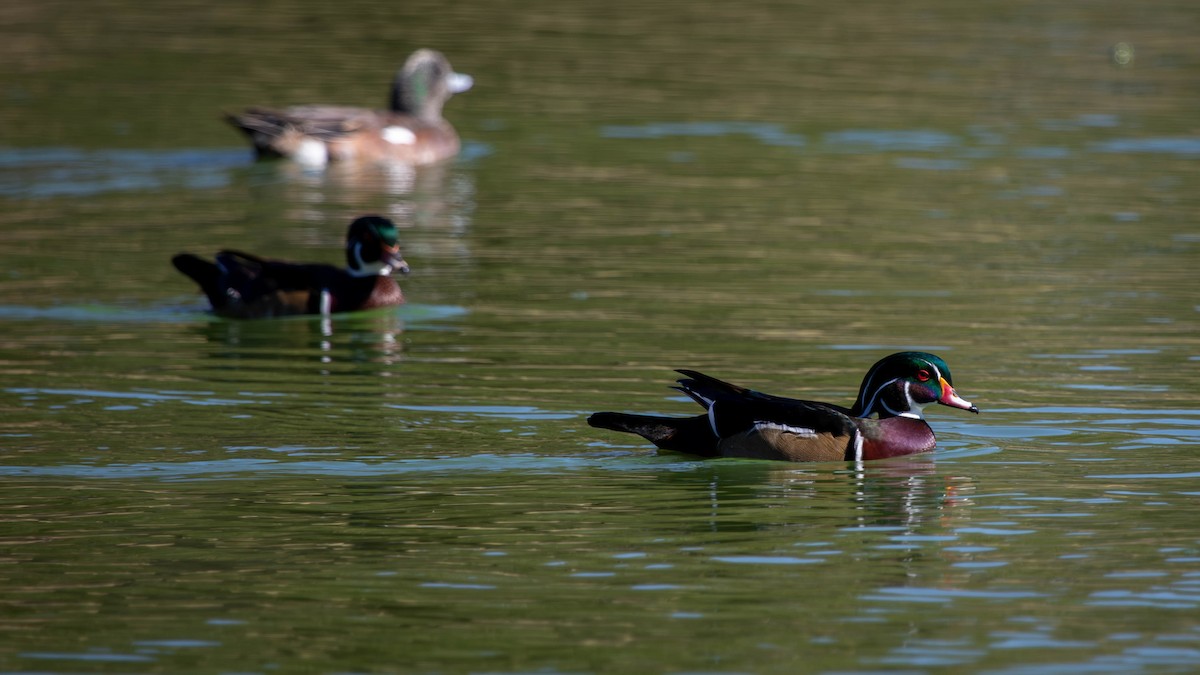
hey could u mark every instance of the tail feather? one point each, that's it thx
(705, 389)
(702, 388)
(264, 127)
(206, 274)
(705, 403)
(692, 435)
(260, 121)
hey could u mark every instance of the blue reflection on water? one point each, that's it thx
(927, 164)
(883, 140)
(410, 313)
(100, 657)
(1188, 146)
(87, 394)
(768, 134)
(41, 173)
(251, 467)
(503, 411)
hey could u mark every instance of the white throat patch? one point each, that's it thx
(915, 410)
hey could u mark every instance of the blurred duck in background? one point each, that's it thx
(411, 131)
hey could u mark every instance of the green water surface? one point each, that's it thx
(774, 193)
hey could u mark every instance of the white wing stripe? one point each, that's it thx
(799, 431)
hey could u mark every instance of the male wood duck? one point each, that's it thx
(244, 286)
(411, 131)
(745, 423)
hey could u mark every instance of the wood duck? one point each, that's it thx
(411, 131)
(244, 286)
(745, 423)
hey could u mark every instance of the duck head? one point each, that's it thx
(372, 247)
(425, 83)
(901, 385)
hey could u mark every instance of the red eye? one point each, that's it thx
(923, 375)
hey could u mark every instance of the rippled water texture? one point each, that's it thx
(776, 194)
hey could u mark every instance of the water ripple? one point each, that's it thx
(766, 560)
(768, 134)
(913, 594)
(230, 468)
(883, 140)
(410, 313)
(42, 173)
(1187, 146)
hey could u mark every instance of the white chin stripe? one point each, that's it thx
(915, 410)
(908, 413)
(785, 428)
(399, 136)
(370, 270)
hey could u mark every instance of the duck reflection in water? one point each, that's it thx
(901, 494)
(367, 341)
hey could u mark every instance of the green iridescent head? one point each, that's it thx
(372, 247)
(901, 385)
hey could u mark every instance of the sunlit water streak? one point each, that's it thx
(412, 313)
(46, 173)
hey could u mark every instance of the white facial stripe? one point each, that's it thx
(874, 395)
(358, 269)
(786, 428)
(914, 409)
(937, 374)
(867, 387)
